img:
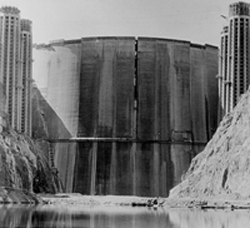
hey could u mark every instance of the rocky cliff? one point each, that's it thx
(23, 161)
(23, 164)
(223, 168)
(47, 127)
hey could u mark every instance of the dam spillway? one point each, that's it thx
(155, 100)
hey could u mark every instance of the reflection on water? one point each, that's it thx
(122, 217)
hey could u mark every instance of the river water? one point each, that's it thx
(119, 217)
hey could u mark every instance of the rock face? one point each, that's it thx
(47, 125)
(223, 168)
(17, 161)
(23, 162)
(9, 195)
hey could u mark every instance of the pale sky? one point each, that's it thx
(198, 21)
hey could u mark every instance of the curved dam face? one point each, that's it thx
(138, 110)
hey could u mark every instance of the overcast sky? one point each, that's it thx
(198, 21)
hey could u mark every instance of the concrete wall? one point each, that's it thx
(56, 73)
(158, 94)
(123, 168)
(106, 88)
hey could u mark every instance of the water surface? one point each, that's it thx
(119, 217)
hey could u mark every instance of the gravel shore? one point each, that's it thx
(134, 201)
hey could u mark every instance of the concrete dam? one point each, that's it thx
(137, 110)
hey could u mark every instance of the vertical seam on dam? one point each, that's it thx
(136, 100)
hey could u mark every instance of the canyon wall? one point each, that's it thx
(137, 110)
(221, 170)
(23, 164)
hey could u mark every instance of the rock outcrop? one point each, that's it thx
(18, 196)
(47, 127)
(23, 161)
(223, 168)
(17, 161)
(23, 164)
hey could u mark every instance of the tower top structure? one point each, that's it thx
(239, 9)
(10, 10)
(26, 25)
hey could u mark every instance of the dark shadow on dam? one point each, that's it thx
(158, 97)
(123, 168)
